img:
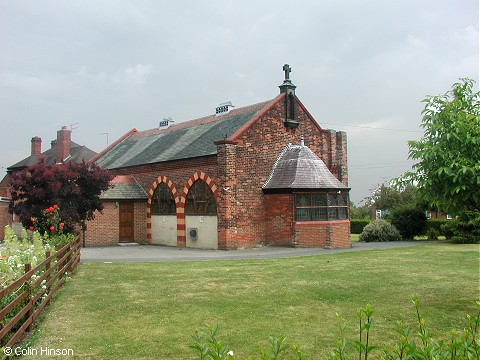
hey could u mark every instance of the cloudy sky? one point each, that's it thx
(110, 66)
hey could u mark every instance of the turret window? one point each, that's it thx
(321, 206)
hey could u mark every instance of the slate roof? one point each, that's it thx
(78, 153)
(124, 187)
(297, 168)
(181, 140)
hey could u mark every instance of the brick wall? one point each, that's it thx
(140, 223)
(279, 215)
(104, 230)
(227, 203)
(326, 234)
(180, 174)
(5, 218)
(257, 150)
(5, 187)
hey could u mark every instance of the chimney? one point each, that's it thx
(36, 145)
(63, 144)
(53, 144)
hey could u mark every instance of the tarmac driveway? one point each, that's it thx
(145, 253)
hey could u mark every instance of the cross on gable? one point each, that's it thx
(287, 70)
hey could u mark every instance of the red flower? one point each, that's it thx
(47, 210)
(32, 219)
(52, 228)
(31, 228)
(55, 206)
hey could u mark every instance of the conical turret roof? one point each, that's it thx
(299, 168)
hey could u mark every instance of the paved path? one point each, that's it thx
(143, 253)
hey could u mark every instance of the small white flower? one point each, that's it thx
(230, 353)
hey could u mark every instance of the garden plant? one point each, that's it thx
(18, 255)
(380, 230)
(412, 343)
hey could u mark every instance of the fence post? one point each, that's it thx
(47, 279)
(28, 299)
(69, 257)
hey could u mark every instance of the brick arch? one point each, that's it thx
(202, 176)
(181, 226)
(168, 182)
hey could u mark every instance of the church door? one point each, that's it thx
(126, 222)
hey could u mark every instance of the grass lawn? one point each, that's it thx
(149, 310)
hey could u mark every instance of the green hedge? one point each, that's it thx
(436, 224)
(356, 226)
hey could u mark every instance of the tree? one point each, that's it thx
(359, 212)
(447, 172)
(409, 219)
(390, 197)
(74, 187)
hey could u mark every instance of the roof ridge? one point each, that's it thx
(112, 145)
(201, 120)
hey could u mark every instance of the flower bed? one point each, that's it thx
(32, 268)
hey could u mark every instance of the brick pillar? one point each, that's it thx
(63, 144)
(332, 151)
(226, 200)
(36, 145)
(342, 157)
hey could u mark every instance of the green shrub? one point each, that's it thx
(380, 230)
(432, 233)
(412, 343)
(409, 220)
(356, 226)
(436, 224)
(465, 229)
(448, 229)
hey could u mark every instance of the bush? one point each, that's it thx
(437, 225)
(448, 229)
(409, 220)
(432, 234)
(412, 343)
(465, 229)
(380, 230)
(357, 226)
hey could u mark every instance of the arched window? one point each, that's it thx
(200, 200)
(163, 202)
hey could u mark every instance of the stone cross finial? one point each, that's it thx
(287, 70)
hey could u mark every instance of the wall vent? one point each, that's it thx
(165, 123)
(192, 234)
(223, 108)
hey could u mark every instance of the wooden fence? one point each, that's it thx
(18, 316)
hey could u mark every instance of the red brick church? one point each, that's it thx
(257, 175)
